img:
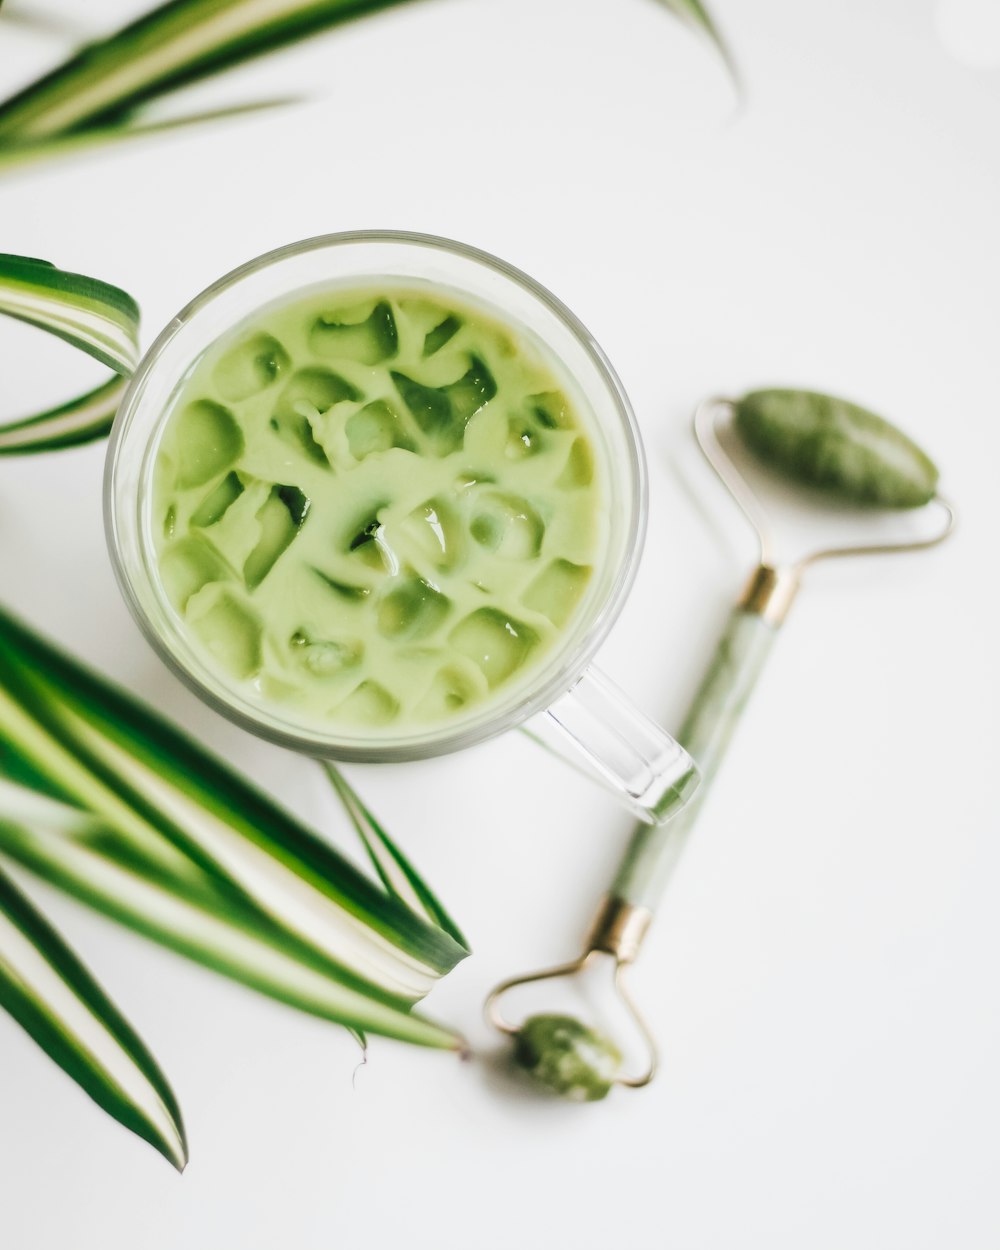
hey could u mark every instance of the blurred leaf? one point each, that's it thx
(15, 156)
(177, 43)
(28, 14)
(99, 87)
(693, 13)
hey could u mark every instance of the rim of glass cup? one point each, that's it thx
(559, 675)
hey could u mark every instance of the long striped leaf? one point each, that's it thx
(81, 420)
(95, 317)
(100, 319)
(46, 988)
(161, 894)
(100, 86)
(70, 735)
(100, 749)
(395, 871)
(175, 44)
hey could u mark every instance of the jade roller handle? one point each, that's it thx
(654, 850)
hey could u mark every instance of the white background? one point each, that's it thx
(823, 975)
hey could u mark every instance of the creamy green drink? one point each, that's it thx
(377, 509)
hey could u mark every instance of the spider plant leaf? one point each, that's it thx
(70, 735)
(58, 26)
(98, 318)
(693, 13)
(395, 871)
(15, 156)
(173, 45)
(82, 420)
(95, 317)
(49, 992)
(158, 892)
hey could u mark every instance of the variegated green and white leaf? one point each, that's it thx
(80, 421)
(95, 317)
(57, 26)
(70, 735)
(395, 871)
(177, 43)
(46, 988)
(100, 319)
(158, 892)
(17, 155)
(100, 87)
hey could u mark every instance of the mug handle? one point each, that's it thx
(597, 729)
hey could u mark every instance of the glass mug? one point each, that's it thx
(565, 702)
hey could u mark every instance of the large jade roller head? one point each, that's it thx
(835, 445)
(836, 449)
(839, 451)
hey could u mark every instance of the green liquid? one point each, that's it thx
(376, 509)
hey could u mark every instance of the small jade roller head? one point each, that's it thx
(567, 1057)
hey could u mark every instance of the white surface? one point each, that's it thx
(823, 975)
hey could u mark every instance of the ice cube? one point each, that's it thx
(213, 507)
(370, 703)
(507, 525)
(442, 333)
(316, 389)
(550, 409)
(451, 690)
(376, 427)
(250, 367)
(432, 532)
(430, 409)
(557, 590)
(326, 657)
(413, 609)
(208, 441)
(523, 439)
(343, 590)
(188, 565)
(527, 426)
(368, 341)
(366, 542)
(309, 394)
(232, 633)
(497, 643)
(579, 470)
(280, 518)
(473, 390)
(443, 412)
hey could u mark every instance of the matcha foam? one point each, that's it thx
(376, 508)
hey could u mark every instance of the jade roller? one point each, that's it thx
(818, 441)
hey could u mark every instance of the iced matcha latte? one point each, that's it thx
(376, 509)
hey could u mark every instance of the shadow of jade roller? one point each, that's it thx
(816, 441)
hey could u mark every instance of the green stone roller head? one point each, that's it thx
(825, 444)
(834, 445)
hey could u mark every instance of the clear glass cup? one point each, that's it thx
(567, 703)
